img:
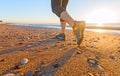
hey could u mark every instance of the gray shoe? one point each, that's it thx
(79, 31)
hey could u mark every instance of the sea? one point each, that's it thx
(111, 25)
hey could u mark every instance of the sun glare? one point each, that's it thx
(99, 30)
(99, 24)
(101, 16)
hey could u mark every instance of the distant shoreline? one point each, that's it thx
(105, 28)
(89, 26)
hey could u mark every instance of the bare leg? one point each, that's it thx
(63, 26)
(66, 17)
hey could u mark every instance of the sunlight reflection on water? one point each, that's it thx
(104, 31)
(99, 30)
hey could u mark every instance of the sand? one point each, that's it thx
(39, 45)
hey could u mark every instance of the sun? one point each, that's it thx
(101, 16)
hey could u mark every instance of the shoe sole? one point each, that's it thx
(60, 38)
(82, 29)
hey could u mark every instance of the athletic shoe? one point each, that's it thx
(60, 36)
(78, 30)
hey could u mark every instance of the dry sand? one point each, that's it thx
(39, 45)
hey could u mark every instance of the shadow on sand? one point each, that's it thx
(47, 41)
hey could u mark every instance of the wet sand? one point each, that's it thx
(39, 45)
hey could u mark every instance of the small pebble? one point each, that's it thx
(118, 50)
(55, 65)
(24, 61)
(20, 43)
(26, 37)
(55, 45)
(16, 67)
(62, 46)
(97, 57)
(92, 62)
(78, 52)
(95, 41)
(22, 49)
(98, 38)
(2, 60)
(118, 47)
(58, 42)
(112, 57)
(29, 46)
(90, 74)
(65, 48)
(91, 46)
(29, 73)
(101, 68)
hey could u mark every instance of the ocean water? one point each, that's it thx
(69, 28)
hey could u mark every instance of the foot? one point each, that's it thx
(60, 36)
(78, 30)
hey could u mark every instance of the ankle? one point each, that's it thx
(62, 33)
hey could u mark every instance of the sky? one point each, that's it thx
(39, 11)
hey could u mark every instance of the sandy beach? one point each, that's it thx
(59, 58)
